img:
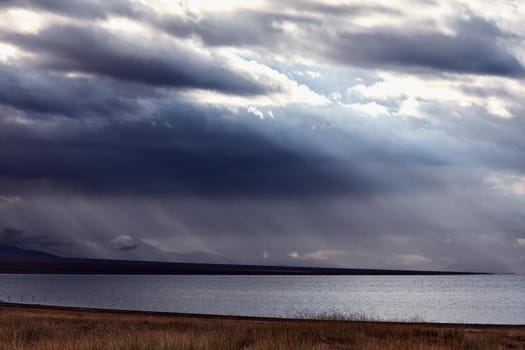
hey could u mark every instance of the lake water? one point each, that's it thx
(496, 299)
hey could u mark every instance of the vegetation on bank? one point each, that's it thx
(46, 329)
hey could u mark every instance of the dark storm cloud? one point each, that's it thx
(236, 29)
(32, 90)
(95, 51)
(476, 48)
(94, 9)
(101, 155)
(17, 237)
(191, 153)
(243, 28)
(205, 152)
(262, 28)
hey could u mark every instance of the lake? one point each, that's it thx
(494, 299)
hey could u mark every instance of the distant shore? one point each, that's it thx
(59, 265)
(24, 326)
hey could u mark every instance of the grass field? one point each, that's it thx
(63, 329)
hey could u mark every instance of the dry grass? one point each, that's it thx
(46, 329)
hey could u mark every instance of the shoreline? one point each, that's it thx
(167, 314)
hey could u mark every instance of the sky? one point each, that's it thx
(362, 134)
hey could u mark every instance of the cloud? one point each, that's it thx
(371, 108)
(507, 183)
(244, 28)
(521, 242)
(32, 90)
(294, 255)
(400, 95)
(163, 63)
(323, 255)
(473, 49)
(18, 237)
(475, 45)
(175, 155)
(150, 120)
(87, 9)
(255, 112)
(123, 242)
(9, 199)
(411, 259)
(317, 255)
(10, 231)
(343, 9)
(251, 27)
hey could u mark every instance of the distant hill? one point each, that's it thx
(18, 260)
(12, 253)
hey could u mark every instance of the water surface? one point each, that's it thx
(495, 299)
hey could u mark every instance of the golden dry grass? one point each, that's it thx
(61, 329)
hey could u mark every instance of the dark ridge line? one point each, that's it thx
(131, 267)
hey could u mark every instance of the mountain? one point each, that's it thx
(18, 260)
(148, 253)
(12, 253)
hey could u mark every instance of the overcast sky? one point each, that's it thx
(374, 134)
